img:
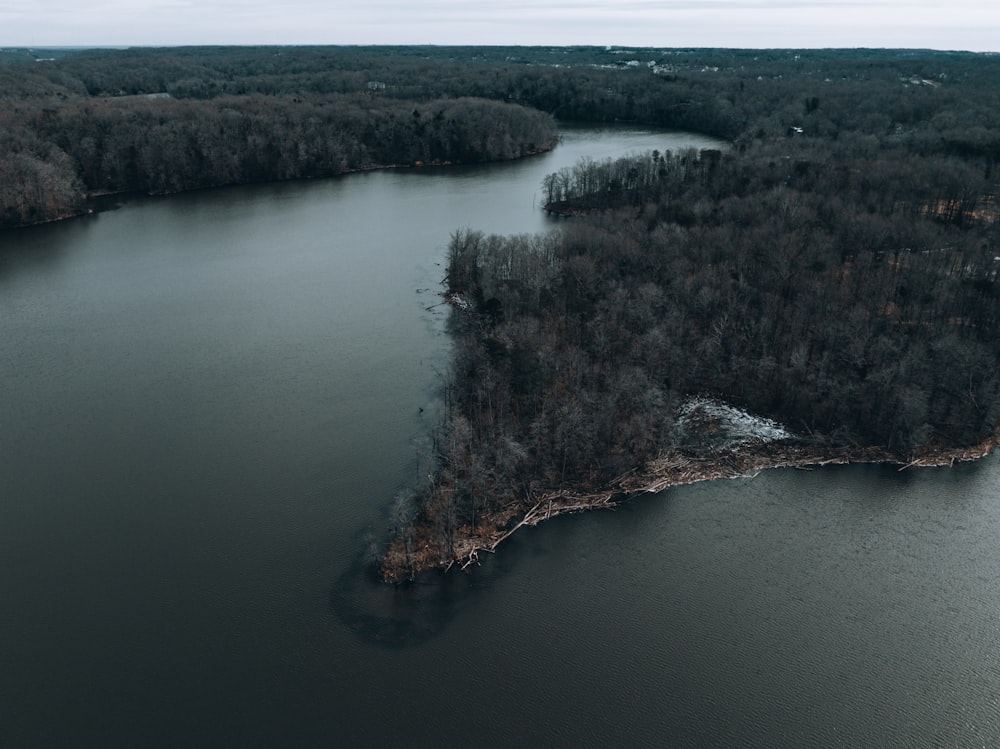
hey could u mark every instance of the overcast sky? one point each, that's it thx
(937, 24)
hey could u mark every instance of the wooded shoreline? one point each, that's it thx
(91, 208)
(669, 470)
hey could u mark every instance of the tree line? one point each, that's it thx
(59, 156)
(162, 120)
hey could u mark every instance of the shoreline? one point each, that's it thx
(92, 198)
(399, 565)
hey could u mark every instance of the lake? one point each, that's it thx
(208, 402)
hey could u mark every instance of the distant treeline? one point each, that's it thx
(162, 146)
(164, 120)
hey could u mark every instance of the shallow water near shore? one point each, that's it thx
(208, 399)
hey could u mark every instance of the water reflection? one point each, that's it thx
(35, 248)
(406, 614)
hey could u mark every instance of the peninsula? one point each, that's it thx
(824, 291)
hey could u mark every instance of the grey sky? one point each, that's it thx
(960, 24)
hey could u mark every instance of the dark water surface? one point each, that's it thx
(206, 399)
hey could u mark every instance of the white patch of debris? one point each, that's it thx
(724, 426)
(457, 300)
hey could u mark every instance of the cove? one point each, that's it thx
(207, 399)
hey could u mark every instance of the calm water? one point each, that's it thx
(206, 400)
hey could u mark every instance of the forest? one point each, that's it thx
(833, 270)
(838, 281)
(77, 124)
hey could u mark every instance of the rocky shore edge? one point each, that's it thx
(399, 565)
